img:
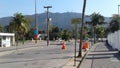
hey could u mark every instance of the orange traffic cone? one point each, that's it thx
(64, 46)
(86, 45)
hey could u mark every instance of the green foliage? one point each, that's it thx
(66, 35)
(96, 19)
(55, 33)
(101, 32)
(115, 24)
(29, 35)
(19, 25)
(1, 28)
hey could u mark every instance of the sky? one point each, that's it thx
(27, 7)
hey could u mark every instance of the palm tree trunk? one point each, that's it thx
(81, 33)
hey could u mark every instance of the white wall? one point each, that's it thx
(114, 40)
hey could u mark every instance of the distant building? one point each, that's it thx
(7, 39)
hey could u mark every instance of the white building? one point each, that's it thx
(7, 39)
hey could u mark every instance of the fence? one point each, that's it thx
(114, 40)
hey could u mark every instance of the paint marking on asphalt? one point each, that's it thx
(114, 59)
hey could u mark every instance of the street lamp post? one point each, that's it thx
(47, 7)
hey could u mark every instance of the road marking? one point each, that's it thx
(114, 59)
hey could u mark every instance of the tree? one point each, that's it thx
(1, 28)
(29, 35)
(95, 20)
(20, 25)
(83, 14)
(66, 35)
(55, 33)
(115, 23)
(101, 32)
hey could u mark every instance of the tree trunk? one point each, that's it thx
(81, 33)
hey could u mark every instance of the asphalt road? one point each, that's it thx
(101, 56)
(38, 57)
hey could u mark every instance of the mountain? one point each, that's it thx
(62, 20)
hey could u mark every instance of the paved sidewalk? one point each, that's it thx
(101, 56)
(71, 62)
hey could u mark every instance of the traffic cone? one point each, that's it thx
(86, 45)
(64, 45)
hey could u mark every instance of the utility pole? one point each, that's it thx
(47, 7)
(81, 33)
(35, 15)
(36, 28)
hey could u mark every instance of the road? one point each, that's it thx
(101, 56)
(38, 57)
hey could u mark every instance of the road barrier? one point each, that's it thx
(114, 39)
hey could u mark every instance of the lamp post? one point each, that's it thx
(48, 20)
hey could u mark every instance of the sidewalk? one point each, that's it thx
(71, 62)
(101, 56)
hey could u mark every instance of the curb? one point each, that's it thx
(84, 56)
(77, 65)
(66, 63)
(82, 59)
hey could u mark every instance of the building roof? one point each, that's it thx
(7, 34)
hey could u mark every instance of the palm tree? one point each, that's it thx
(11, 27)
(20, 25)
(80, 45)
(95, 20)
